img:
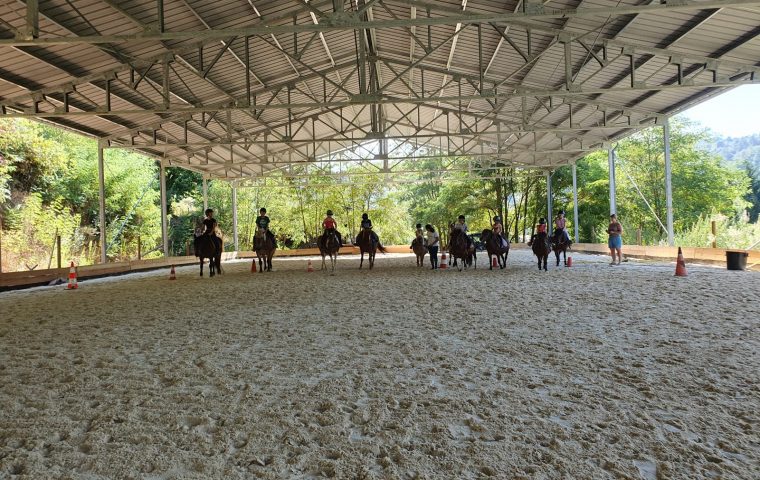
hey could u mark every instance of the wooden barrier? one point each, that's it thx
(13, 280)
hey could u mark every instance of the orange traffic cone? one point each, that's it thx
(680, 265)
(494, 263)
(309, 268)
(443, 265)
(569, 262)
(73, 285)
(253, 266)
(172, 274)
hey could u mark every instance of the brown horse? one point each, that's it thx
(460, 248)
(495, 247)
(209, 247)
(329, 245)
(560, 244)
(264, 247)
(541, 248)
(420, 249)
(370, 244)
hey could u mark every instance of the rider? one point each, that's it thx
(559, 227)
(262, 223)
(540, 228)
(209, 228)
(460, 225)
(498, 229)
(330, 225)
(366, 226)
(419, 233)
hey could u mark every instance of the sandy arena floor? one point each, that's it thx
(589, 372)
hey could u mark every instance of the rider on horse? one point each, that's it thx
(366, 226)
(418, 233)
(461, 226)
(208, 229)
(330, 225)
(559, 228)
(262, 223)
(498, 229)
(540, 228)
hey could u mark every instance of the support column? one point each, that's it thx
(234, 218)
(611, 161)
(549, 222)
(668, 185)
(102, 202)
(575, 203)
(164, 224)
(205, 195)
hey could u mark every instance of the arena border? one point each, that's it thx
(36, 278)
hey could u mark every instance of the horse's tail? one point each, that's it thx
(381, 248)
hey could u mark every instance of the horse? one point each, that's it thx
(368, 243)
(560, 244)
(541, 248)
(328, 246)
(460, 248)
(207, 248)
(264, 248)
(420, 250)
(495, 247)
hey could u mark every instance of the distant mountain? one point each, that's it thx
(737, 150)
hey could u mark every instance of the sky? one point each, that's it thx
(735, 113)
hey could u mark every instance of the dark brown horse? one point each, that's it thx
(370, 244)
(560, 244)
(541, 248)
(461, 248)
(495, 247)
(209, 247)
(420, 249)
(329, 245)
(264, 247)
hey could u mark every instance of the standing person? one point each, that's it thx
(615, 231)
(432, 245)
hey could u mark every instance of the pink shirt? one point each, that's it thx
(541, 228)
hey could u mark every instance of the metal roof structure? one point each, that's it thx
(238, 89)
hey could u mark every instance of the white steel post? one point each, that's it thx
(668, 185)
(575, 203)
(164, 222)
(102, 202)
(549, 221)
(234, 218)
(205, 195)
(611, 160)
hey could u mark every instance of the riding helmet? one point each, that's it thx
(461, 217)
(364, 216)
(561, 212)
(329, 212)
(542, 220)
(419, 225)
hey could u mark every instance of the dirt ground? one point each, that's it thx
(588, 372)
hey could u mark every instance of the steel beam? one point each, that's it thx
(164, 220)
(668, 184)
(354, 23)
(234, 218)
(611, 164)
(576, 222)
(102, 203)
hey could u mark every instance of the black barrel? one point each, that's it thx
(736, 259)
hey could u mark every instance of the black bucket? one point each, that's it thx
(736, 259)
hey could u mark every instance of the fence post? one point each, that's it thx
(139, 248)
(58, 245)
(638, 236)
(715, 234)
(1, 246)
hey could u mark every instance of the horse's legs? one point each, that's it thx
(490, 261)
(201, 259)
(564, 256)
(361, 261)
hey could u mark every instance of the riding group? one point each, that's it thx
(461, 247)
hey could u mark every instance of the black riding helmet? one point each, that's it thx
(329, 212)
(364, 216)
(419, 225)
(461, 217)
(561, 212)
(542, 220)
